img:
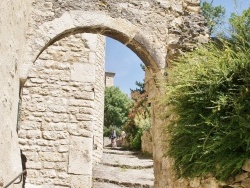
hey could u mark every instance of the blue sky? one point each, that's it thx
(125, 63)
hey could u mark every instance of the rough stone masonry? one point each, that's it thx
(61, 115)
(61, 80)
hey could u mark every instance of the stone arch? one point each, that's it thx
(69, 24)
(72, 22)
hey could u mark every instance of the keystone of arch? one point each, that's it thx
(72, 22)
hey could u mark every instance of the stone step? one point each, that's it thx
(124, 177)
(128, 166)
(97, 184)
(119, 151)
(126, 161)
(102, 183)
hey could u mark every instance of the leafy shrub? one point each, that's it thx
(136, 142)
(138, 119)
(208, 94)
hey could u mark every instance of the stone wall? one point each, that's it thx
(156, 30)
(14, 16)
(60, 121)
(147, 142)
(99, 97)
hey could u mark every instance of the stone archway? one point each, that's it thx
(149, 28)
(72, 22)
(61, 97)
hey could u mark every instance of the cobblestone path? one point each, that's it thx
(120, 168)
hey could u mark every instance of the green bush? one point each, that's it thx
(136, 142)
(208, 94)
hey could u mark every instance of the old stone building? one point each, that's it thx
(52, 67)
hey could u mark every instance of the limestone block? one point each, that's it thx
(89, 87)
(49, 173)
(61, 166)
(81, 103)
(63, 175)
(73, 110)
(62, 182)
(246, 183)
(193, 9)
(63, 142)
(246, 166)
(33, 156)
(85, 110)
(22, 141)
(22, 133)
(81, 181)
(241, 177)
(83, 72)
(24, 71)
(194, 183)
(56, 117)
(33, 165)
(41, 142)
(54, 135)
(91, 40)
(80, 156)
(87, 125)
(29, 185)
(30, 125)
(31, 134)
(34, 148)
(193, 2)
(84, 117)
(48, 149)
(209, 183)
(33, 118)
(41, 107)
(48, 165)
(37, 114)
(37, 80)
(52, 157)
(84, 95)
(63, 149)
(81, 132)
(57, 26)
(57, 108)
(33, 173)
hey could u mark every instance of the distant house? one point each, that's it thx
(109, 79)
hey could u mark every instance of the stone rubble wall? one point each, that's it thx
(13, 26)
(59, 113)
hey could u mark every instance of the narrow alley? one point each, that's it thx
(122, 168)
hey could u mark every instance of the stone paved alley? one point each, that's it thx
(120, 168)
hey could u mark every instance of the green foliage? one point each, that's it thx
(136, 142)
(108, 131)
(139, 116)
(213, 15)
(116, 107)
(208, 94)
(240, 26)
